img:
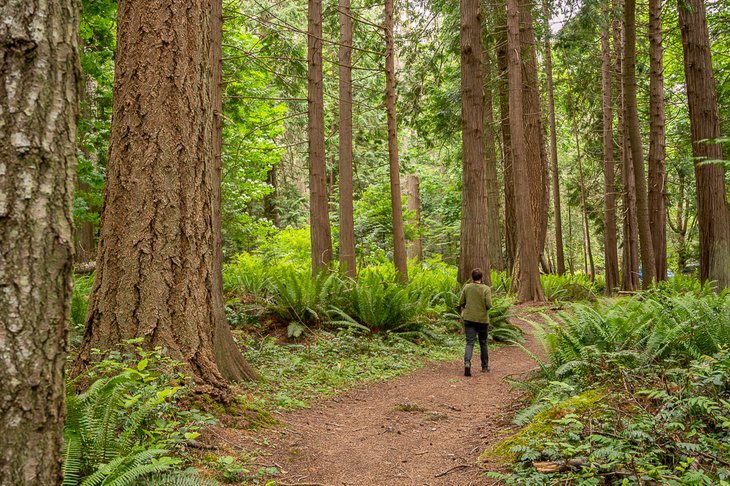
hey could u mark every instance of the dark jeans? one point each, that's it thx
(472, 329)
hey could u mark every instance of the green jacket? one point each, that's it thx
(474, 303)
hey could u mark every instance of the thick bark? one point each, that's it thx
(156, 273)
(714, 215)
(347, 223)
(559, 252)
(657, 142)
(527, 274)
(231, 362)
(610, 231)
(321, 236)
(646, 247)
(474, 229)
(399, 240)
(414, 206)
(494, 233)
(39, 79)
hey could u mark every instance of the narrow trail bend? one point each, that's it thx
(425, 428)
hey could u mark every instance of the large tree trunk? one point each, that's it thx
(637, 154)
(156, 271)
(610, 231)
(474, 229)
(494, 233)
(657, 148)
(399, 240)
(559, 252)
(527, 274)
(714, 215)
(39, 79)
(414, 206)
(347, 223)
(318, 204)
(231, 362)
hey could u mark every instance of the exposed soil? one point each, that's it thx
(426, 428)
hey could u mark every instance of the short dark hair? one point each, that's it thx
(476, 274)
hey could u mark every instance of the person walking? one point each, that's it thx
(474, 304)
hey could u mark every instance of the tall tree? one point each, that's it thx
(156, 263)
(646, 247)
(714, 215)
(399, 240)
(587, 247)
(39, 79)
(414, 207)
(610, 232)
(318, 205)
(560, 254)
(230, 361)
(527, 272)
(347, 224)
(474, 229)
(657, 143)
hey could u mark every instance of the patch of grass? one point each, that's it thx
(410, 407)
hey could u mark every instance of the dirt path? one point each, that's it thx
(426, 428)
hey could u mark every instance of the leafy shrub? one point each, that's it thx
(123, 429)
(79, 305)
(247, 274)
(563, 288)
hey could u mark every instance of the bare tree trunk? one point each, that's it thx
(474, 229)
(657, 143)
(399, 240)
(156, 271)
(610, 244)
(318, 204)
(39, 81)
(560, 255)
(528, 274)
(494, 239)
(414, 206)
(646, 246)
(588, 251)
(347, 223)
(714, 215)
(228, 357)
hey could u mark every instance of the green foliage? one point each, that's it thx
(124, 427)
(303, 299)
(79, 305)
(569, 287)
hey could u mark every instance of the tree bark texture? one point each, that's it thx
(714, 215)
(529, 287)
(321, 236)
(610, 231)
(494, 233)
(657, 142)
(399, 240)
(39, 80)
(414, 207)
(646, 247)
(559, 251)
(347, 223)
(536, 152)
(474, 228)
(156, 272)
(231, 362)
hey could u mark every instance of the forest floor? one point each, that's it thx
(429, 427)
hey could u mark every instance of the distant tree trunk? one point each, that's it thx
(536, 152)
(414, 206)
(39, 91)
(156, 267)
(318, 204)
(714, 214)
(347, 223)
(474, 229)
(681, 226)
(85, 231)
(588, 250)
(231, 363)
(610, 231)
(560, 254)
(637, 154)
(270, 211)
(657, 147)
(494, 239)
(527, 274)
(399, 240)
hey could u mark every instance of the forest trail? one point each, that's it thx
(425, 428)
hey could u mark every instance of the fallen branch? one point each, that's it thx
(460, 466)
